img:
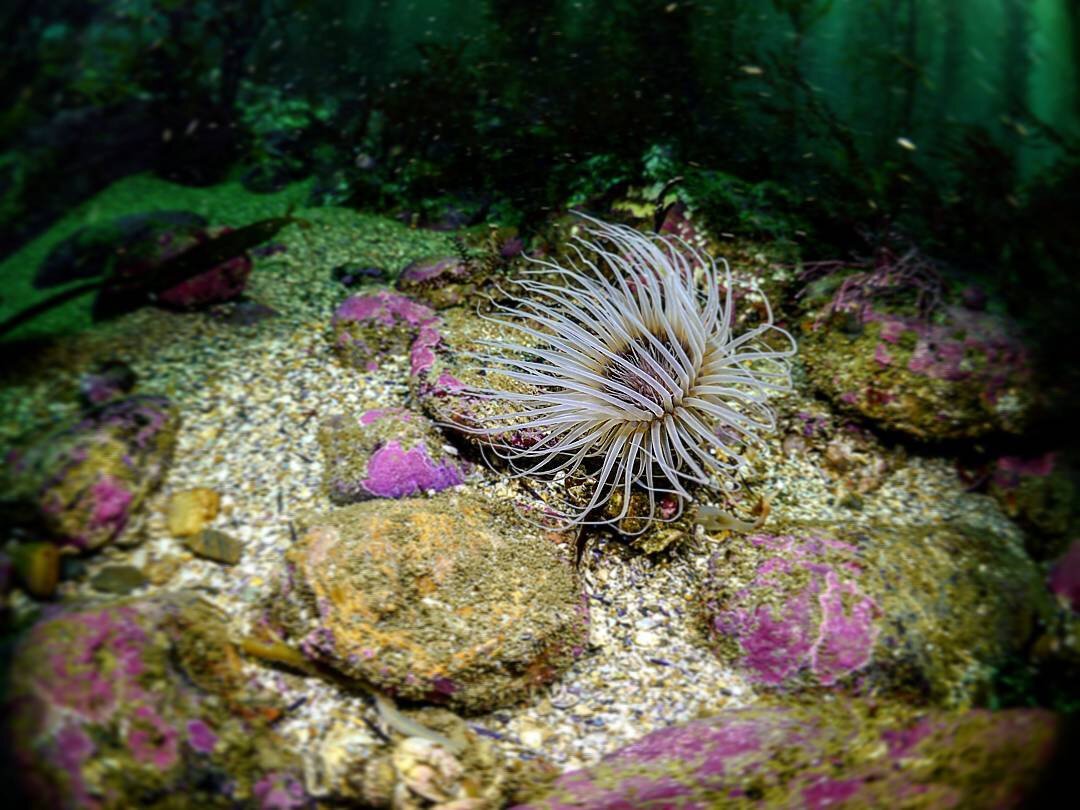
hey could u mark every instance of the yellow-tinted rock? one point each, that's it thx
(191, 511)
(217, 546)
(38, 568)
(446, 599)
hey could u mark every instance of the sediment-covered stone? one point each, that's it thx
(963, 375)
(448, 599)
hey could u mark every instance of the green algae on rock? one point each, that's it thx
(924, 612)
(450, 600)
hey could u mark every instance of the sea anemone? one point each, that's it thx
(629, 375)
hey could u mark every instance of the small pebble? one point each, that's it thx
(190, 511)
(217, 546)
(37, 566)
(646, 638)
(118, 579)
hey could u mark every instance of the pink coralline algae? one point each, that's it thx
(824, 756)
(394, 472)
(94, 660)
(151, 740)
(443, 281)
(105, 708)
(968, 345)
(421, 353)
(384, 308)
(368, 328)
(872, 610)
(827, 626)
(961, 373)
(428, 269)
(1011, 470)
(1039, 491)
(279, 792)
(386, 453)
(224, 282)
(200, 737)
(111, 503)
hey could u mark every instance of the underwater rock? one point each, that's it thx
(89, 251)
(962, 377)
(440, 368)
(927, 612)
(108, 381)
(217, 546)
(368, 327)
(452, 768)
(222, 282)
(7, 574)
(36, 566)
(130, 703)
(245, 312)
(352, 275)
(449, 600)
(118, 579)
(439, 282)
(385, 453)
(841, 754)
(191, 510)
(138, 245)
(82, 484)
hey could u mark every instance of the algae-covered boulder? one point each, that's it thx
(962, 375)
(80, 486)
(141, 704)
(837, 755)
(927, 612)
(386, 453)
(447, 599)
(368, 328)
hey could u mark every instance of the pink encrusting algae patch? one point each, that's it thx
(394, 472)
(200, 737)
(422, 354)
(387, 309)
(111, 502)
(824, 625)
